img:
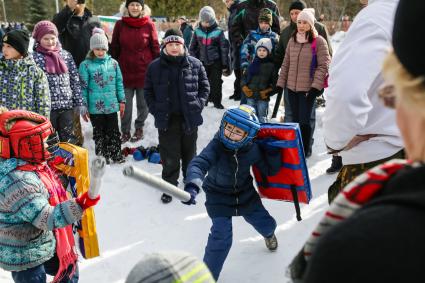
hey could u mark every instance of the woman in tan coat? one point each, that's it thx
(304, 71)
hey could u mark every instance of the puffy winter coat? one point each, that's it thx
(210, 45)
(75, 32)
(65, 89)
(134, 48)
(286, 34)
(27, 219)
(24, 86)
(266, 79)
(228, 186)
(296, 67)
(248, 46)
(102, 86)
(246, 19)
(193, 86)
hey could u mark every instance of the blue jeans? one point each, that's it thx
(38, 274)
(220, 238)
(261, 108)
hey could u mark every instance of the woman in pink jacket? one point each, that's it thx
(304, 71)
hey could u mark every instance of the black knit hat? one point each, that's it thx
(173, 35)
(297, 5)
(127, 2)
(409, 45)
(266, 15)
(18, 39)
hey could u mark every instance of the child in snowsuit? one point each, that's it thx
(103, 95)
(35, 212)
(260, 78)
(228, 186)
(23, 85)
(211, 47)
(62, 75)
(176, 89)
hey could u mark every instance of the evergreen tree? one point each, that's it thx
(36, 11)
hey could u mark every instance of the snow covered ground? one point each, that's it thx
(132, 221)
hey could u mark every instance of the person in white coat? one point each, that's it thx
(356, 125)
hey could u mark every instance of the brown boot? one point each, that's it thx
(138, 135)
(125, 137)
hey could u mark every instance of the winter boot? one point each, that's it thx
(271, 243)
(138, 135)
(336, 165)
(119, 160)
(166, 198)
(125, 137)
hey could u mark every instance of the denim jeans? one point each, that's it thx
(261, 108)
(38, 274)
(220, 238)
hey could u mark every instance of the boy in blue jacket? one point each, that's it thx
(229, 188)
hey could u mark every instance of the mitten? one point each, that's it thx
(227, 72)
(85, 201)
(247, 91)
(265, 94)
(193, 190)
(315, 92)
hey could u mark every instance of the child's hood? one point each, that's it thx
(9, 165)
(27, 61)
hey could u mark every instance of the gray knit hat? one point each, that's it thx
(207, 14)
(98, 39)
(265, 43)
(168, 267)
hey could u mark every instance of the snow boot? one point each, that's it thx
(271, 243)
(125, 137)
(336, 165)
(138, 135)
(166, 198)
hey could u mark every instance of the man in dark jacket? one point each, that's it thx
(234, 51)
(176, 89)
(75, 24)
(294, 9)
(186, 29)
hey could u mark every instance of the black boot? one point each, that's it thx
(336, 165)
(166, 198)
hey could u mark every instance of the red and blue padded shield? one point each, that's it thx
(292, 182)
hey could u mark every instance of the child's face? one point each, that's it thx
(264, 26)
(234, 133)
(10, 53)
(99, 53)
(262, 52)
(49, 41)
(174, 49)
(205, 24)
(303, 26)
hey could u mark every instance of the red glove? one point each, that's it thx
(85, 202)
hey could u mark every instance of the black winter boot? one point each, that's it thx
(336, 165)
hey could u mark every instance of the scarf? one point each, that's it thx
(301, 37)
(54, 61)
(135, 22)
(65, 245)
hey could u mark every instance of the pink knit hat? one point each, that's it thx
(42, 28)
(308, 15)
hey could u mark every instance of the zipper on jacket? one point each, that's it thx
(298, 62)
(236, 180)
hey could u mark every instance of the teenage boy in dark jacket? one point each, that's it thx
(222, 169)
(176, 89)
(211, 47)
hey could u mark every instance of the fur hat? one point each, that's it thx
(409, 46)
(98, 39)
(265, 15)
(42, 28)
(127, 2)
(168, 267)
(265, 43)
(18, 39)
(297, 5)
(207, 14)
(173, 35)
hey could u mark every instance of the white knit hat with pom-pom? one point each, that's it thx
(98, 40)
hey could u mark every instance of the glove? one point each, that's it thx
(277, 90)
(227, 72)
(315, 92)
(86, 202)
(265, 94)
(247, 91)
(193, 190)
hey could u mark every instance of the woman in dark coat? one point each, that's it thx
(134, 45)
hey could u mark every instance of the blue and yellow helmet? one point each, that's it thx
(242, 117)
